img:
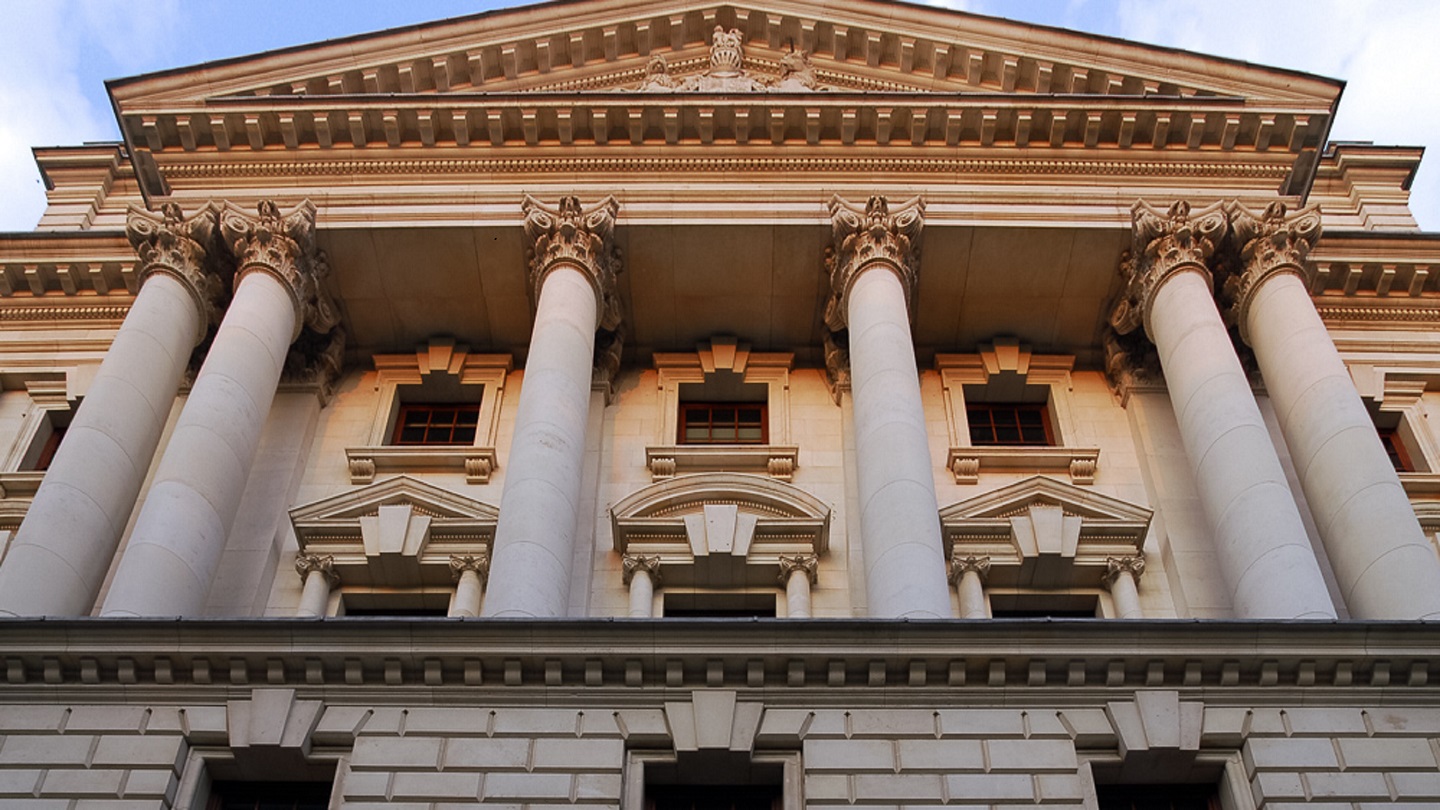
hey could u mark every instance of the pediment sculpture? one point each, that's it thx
(727, 74)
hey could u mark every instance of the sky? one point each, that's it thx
(56, 54)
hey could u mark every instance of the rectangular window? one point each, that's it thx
(436, 424)
(1002, 424)
(722, 423)
(1395, 448)
(47, 452)
(269, 796)
(1157, 797)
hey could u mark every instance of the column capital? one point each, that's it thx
(877, 234)
(636, 562)
(1269, 244)
(306, 563)
(579, 237)
(1164, 243)
(282, 243)
(1117, 566)
(960, 565)
(806, 563)
(479, 563)
(171, 244)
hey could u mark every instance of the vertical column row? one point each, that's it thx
(63, 549)
(1260, 539)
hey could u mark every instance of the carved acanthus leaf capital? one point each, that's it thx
(878, 234)
(1269, 244)
(325, 566)
(1164, 243)
(478, 563)
(808, 564)
(959, 566)
(583, 238)
(169, 243)
(1115, 567)
(282, 243)
(636, 562)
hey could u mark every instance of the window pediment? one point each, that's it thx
(1041, 532)
(399, 532)
(728, 528)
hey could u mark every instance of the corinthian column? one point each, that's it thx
(58, 559)
(573, 262)
(968, 574)
(642, 574)
(180, 532)
(797, 574)
(1122, 579)
(1382, 562)
(873, 265)
(1259, 538)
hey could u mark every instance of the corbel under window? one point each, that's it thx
(457, 393)
(1025, 399)
(723, 384)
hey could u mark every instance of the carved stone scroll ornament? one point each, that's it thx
(1164, 243)
(862, 237)
(1118, 566)
(583, 238)
(1270, 244)
(809, 564)
(636, 562)
(282, 243)
(479, 563)
(726, 72)
(306, 563)
(959, 566)
(170, 244)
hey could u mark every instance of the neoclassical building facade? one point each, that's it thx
(670, 405)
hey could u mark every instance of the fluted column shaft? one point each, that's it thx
(58, 559)
(180, 533)
(531, 558)
(1382, 562)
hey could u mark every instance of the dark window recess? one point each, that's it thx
(269, 796)
(722, 423)
(1399, 456)
(397, 613)
(436, 424)
(713, 797)
(47, 453)
(719, 613)
(1157, 797)
(1041, 613)
(1001, 424)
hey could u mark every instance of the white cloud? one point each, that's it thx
(1383, 50)
(41, 104)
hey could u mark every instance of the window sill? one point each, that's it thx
(667, 461)
(20, 483)
(476, 462)
(966, 463)
(1416, 484)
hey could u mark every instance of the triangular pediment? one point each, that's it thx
(424, 498)
(1016, 499)
(599, 45)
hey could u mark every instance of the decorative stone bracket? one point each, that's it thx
(366, 462)
(667, 461)
(1079, 462)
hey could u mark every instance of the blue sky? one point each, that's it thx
(56, 54)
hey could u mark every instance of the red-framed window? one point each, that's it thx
(723, 423)
(1004, 424)
(1395, 449)
(47, 453)
(436, 424)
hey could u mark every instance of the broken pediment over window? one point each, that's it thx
(399, 532)
(721, 529)
(1045, 533)
(726, 72)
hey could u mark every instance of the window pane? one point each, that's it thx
(465, 435)
(1008, 424)
(722, 423)
(436, 424)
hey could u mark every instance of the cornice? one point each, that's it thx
(1050, 658)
